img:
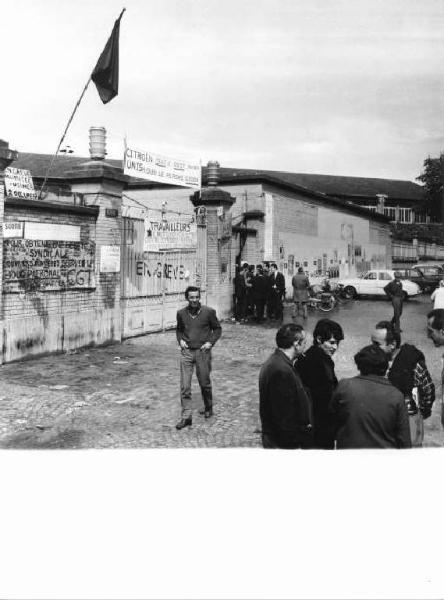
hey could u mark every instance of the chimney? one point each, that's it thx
(97, 143)
(212, 173)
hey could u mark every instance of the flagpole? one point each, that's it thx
(68, 124)
(63, 137)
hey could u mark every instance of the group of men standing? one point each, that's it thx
(258, 290)
(302, 405)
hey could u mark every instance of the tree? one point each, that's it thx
(431, 177)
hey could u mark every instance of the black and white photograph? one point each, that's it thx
(222, 233)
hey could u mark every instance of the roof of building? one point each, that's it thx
(39, 163)
(336, 185)
(333, 185)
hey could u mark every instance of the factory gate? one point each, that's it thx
(153, 282)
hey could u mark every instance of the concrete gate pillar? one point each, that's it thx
(7, 156)
(219, 256)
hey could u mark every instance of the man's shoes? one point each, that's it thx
(184, 423)
(207, 412)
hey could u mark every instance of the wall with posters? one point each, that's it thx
(60, 276)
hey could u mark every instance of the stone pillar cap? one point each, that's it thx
(7, 156)
(212, 196)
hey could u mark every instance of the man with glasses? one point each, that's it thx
(408, 372)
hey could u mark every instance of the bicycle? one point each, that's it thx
(326, 300)
(323, 301)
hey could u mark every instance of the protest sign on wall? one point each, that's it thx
(43, 265)
(168, 231)
(19, 184)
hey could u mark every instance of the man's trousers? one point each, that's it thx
(416, 429)
(397, 312)
(202, 360)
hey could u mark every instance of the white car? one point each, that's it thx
(372, 283)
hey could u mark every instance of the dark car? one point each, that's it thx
(427, 277)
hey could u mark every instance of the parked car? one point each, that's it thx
(372, 283)
(427, 277)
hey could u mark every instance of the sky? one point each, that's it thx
(344, 87)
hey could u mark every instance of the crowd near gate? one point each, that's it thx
(154, 276)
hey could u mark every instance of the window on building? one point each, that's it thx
(390, 211)
(405, 215)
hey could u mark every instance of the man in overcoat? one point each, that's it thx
(276, 293)
(283, 402)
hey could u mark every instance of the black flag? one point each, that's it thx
(106, 71)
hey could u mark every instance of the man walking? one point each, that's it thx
(369, 412)
(276, 293)
(198, 329)
(301, 293)
(396, 293)
(283, 402)
(408, 372)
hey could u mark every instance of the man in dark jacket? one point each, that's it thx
(260, 293)
(396, 294)
(283, 402)
(408, 372)
(369, 411)
(317, 371)
(198, 329)
(276, 293)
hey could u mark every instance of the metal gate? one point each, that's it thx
(153, 283)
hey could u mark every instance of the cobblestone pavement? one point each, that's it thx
(127, 395)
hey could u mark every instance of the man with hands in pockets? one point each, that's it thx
(198, 329)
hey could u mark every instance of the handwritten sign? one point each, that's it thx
(39, 265)
(170, 231)
(164, 169)
(19, 184)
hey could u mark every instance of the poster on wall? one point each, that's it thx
(169, 231)
(109, 259)
(47, 265)
(13, 229)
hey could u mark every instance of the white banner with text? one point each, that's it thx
(164, 169)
